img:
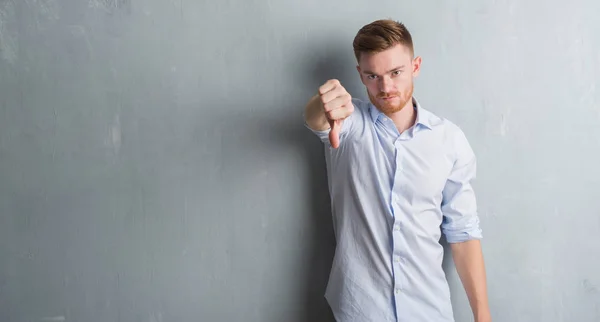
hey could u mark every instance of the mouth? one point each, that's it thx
(388, 98)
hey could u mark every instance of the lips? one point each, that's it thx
(387, 96)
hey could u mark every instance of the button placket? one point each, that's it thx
(396, 259)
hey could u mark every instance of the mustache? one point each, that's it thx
(386, 95)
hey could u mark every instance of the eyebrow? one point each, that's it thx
(389, 71)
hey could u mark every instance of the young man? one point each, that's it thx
(396, 173)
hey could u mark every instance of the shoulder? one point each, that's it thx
(453, 136)
(449, 128)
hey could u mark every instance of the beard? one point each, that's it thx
(394, 105)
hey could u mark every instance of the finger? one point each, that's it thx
(337, 102)
(333, 93)
(339, 114)
(328, 86)
(334, 134)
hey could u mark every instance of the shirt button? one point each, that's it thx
(396, 227)
(397, 259)
(397, 291)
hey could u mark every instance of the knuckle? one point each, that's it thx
(351, 108)
(335, 85)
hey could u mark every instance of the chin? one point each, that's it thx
(389, 109)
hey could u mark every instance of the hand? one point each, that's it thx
(337, 104)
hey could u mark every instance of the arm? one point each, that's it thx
(314, 114)
(461, 227)
(468, 259)
(328, 109)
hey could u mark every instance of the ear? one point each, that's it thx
(416, 66)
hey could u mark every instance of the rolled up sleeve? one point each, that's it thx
(459, 205)
(322, 135)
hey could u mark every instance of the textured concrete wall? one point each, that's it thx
(153, 164)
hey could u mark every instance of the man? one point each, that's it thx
(396, 173)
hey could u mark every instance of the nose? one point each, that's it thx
(386, 85)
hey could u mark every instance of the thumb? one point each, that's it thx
(334, 134)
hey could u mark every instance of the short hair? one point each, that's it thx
(381, 35)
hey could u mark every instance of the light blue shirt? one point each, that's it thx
(392, 197)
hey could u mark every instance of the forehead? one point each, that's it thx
(383, 61)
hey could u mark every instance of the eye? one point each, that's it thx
(371, 76)
(396, 72)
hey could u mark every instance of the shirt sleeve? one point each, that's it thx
(459, 206)
(347, 126)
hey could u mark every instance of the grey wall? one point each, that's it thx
(154, 167)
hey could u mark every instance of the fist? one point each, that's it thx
(337, 105)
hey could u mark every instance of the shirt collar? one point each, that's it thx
(424, 117)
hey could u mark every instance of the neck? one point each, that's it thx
(405, 118)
